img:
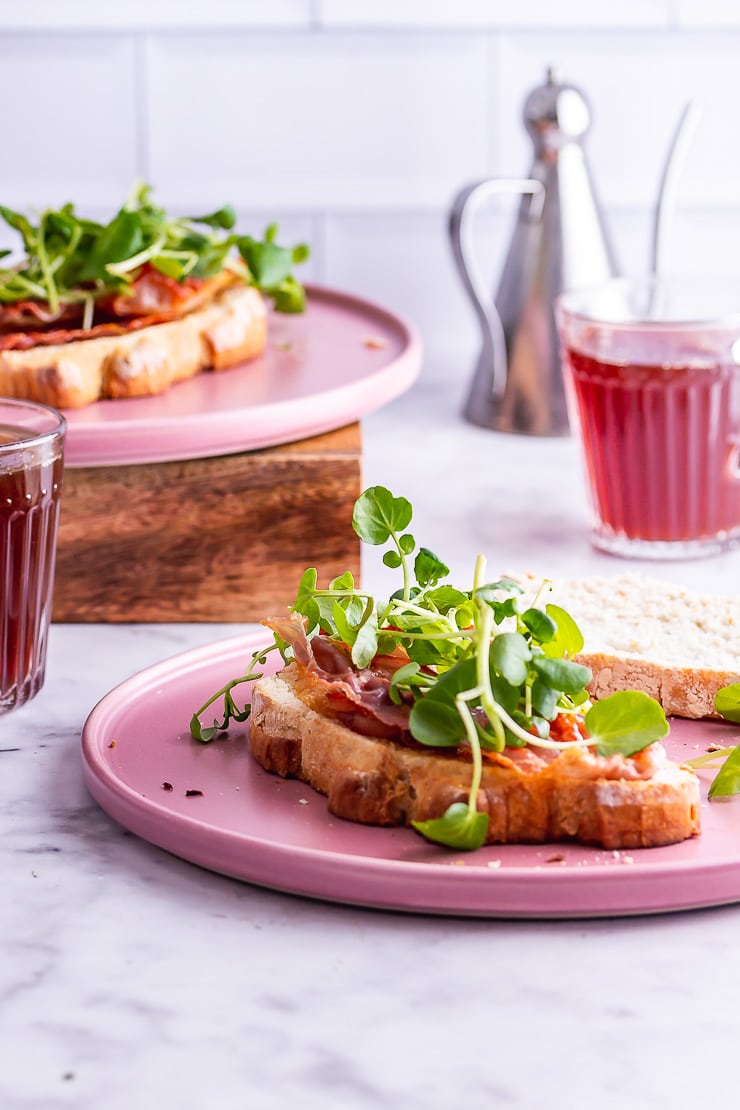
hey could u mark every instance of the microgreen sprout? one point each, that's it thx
(480, 669)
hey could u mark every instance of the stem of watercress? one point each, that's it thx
(475, 751)
(483, 674)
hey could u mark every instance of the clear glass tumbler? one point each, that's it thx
(31, 466)
(652, 372)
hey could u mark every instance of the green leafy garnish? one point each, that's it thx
(72, 260)
(726, 782)
(626, 722)
(231, 713)
(479, 670)
(459, 827)
(727, 702)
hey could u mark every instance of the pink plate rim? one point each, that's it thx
(522, 884)
(125, 432)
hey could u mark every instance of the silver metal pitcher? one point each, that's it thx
(559, 243)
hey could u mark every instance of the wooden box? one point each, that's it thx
(216, 539)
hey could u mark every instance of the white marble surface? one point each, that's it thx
(129, 978)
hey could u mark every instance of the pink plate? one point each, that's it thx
(341, 359)
(141, 766)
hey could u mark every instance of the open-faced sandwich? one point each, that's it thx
(461, 712)
(129, 307)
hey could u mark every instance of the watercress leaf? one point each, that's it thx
(406, 543)
(305, 602)
(18, 222)
(502, 610)
(365, 646)
(120, 240)
(347, 633)
(268, 263)
(428, 567)
(727, 702)
(510, 655)
(388, 641)
(404, 676)
(224, 218)
(210, 257)
(344, 581)
(568, 639)
(446, 598)
(460, 827)
(205, 735)
(545, 699)
(175, 264)
(325, 610)
(625, 723)
(436, 723)
(727, 779)
(378, 515)
(306, 588)
(450, 683)
(492, 591)
(300, 253)
(288, 297)
(562, 674)
(392, 559)
(433, 653)
(505, 694)
(540, 624)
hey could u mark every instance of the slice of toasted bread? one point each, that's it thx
(641, 633)
(229, 328)
(575, 796)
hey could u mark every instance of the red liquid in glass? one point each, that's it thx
(29, 511)
(660, 446)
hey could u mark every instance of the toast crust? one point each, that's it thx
(230, 328)
(381, 782)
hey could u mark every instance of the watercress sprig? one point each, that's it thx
(486, 669)
(69, 259)
(726, 782)
(230, 711)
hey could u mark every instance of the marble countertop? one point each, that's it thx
(131, 978)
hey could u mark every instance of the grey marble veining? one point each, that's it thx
(130, 979)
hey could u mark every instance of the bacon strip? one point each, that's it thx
(153, 299)
(330, 684)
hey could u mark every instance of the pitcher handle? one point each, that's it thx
(462, 216)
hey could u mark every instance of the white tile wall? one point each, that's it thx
(69, 127)
(337, 121)
(354, 122)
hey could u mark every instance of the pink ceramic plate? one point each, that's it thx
(142, 767)
(341, 359)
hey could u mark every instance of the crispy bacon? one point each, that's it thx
(154, 298)
(24, 341)
(329, 683)
(153, 293)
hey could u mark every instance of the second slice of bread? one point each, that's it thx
(642, 633)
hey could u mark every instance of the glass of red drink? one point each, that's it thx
(652, 373)
(31, 463)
